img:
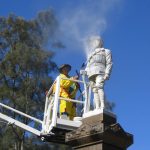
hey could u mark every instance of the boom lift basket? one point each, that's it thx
(53, 127)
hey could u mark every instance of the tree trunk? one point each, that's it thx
(15, 145)
(19, 144)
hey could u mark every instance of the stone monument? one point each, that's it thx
(99, 132)
(100, 129)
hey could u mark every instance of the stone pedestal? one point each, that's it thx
(99, 132)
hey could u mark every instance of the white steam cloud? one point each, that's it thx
(87, 18)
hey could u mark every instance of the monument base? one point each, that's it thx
(99, 132)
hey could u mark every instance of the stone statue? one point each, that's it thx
(98, 69)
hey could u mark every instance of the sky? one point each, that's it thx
(124, 26)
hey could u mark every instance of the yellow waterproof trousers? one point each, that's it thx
(66, 106)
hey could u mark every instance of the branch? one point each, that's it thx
(13, 129)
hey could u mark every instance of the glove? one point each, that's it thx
(75, 77)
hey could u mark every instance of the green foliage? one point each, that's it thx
(25, 67)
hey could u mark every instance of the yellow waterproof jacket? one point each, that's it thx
(68, 89)
(65, 86)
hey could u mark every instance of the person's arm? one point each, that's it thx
(108, 64)
(66, 83)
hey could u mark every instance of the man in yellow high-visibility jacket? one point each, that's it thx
(68, 89)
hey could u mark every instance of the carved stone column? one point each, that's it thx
(99, 132)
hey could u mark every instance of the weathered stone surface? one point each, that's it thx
(99, 132)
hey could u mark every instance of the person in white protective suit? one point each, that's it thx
(98, 69)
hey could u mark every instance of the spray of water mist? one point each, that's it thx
(86, 19)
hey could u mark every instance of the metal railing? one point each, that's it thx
(51, 107)
(18, 123)
(52, 101)
(21, 113)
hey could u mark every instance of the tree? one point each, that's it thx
(25, 67)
